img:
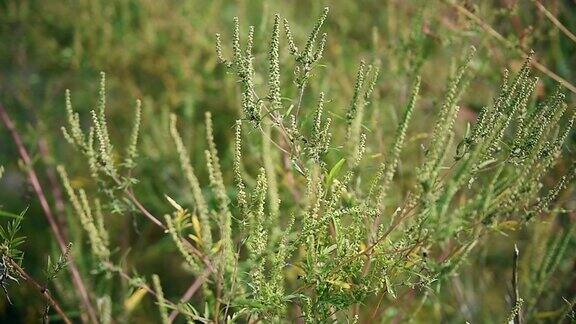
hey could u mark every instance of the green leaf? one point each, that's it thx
(335, 171)
(389, 287)
(330, 249)
(4, 213)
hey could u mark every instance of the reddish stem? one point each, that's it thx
(42, 290)
(76, 278)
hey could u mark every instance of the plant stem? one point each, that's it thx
(41, 289)
(59, 205)
(114, 268)
(76, 277)
(555, 21)
(158, 223)
(492, 32)
(516, 296)
(191, 291)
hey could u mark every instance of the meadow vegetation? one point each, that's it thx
(309, 162)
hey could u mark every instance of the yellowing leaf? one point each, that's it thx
(511, 225)
(197, 226)
(362, 247)
(173, 203)
(134, 300)
(339, 283)
(217, 246)
(195, 239)
(548, 314)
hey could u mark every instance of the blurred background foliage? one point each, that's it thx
(163, 52)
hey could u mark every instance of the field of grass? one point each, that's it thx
(287, 161)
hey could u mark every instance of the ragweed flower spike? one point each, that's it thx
(217, 184)
(269, 159)
(316, 128)
(74, 135)
(236, 43)
(243, 67)
(383, 180)
(356, 98)
(311, 54)
(442, 133)
(101, 128)
(98, 242)
(258, 234)
(274, 66)
(246, 75)
(321, 45)
(132, 149)
(160, 300)
(242, 197)
(372, 84)
(320, 133)
(219, 54)
(249, 45)
(307, 54)
(201, 205)
(214, 164)
(290, 39)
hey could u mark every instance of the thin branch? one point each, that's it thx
(142, 209)
(300, 97)
(158, 223)
(41, 289)
(405, 212)
(59, 205)
(555, 21)
(516, 295)
(112, 267)
(492, 32)
(191, 291)
(76, 278)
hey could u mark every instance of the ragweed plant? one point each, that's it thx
(310, 230)
(11, 270)
(10, 253)
(113, 177)
(495, 176)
